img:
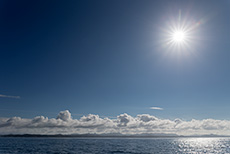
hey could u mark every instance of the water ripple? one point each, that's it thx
(113, 146)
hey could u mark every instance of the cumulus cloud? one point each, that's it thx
(123, 123)
(8, 96)
(146, 117)
(64, 115)
(156, 108)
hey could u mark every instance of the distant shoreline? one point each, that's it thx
(108, 136)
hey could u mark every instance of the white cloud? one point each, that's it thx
(64, 115)
(156, 108)
(8, 96)
(124, 124)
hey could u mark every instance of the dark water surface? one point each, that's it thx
(113, 146)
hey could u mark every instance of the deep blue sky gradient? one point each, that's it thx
(106, 58)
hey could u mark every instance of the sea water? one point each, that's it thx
(113, 145)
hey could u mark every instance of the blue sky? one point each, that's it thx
(107, 58)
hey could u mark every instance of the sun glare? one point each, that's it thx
(178, 36)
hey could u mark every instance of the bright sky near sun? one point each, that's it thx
(165, 58)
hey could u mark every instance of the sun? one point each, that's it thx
(179, 36)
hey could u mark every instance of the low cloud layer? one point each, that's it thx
(124, 124)
(8, 96)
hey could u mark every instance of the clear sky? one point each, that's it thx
(111, 57)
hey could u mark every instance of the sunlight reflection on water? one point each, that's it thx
(203, 145)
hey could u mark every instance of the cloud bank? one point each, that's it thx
(124, 124)
(8, 96)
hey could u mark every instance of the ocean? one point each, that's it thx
(11, 145)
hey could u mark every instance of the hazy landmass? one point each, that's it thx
(110, 135)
